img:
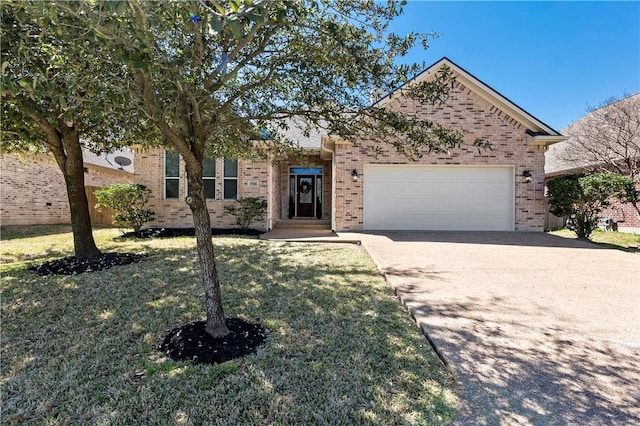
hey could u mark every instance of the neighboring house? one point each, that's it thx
(33, 192)
(559, 163)
(498, 189)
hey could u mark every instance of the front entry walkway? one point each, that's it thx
(538, 329)
(306, 230)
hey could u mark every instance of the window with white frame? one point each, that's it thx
(230, 179)
(171, 175)
(209, 178)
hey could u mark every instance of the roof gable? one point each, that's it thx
(538, 129)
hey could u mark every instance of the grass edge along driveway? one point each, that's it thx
(340, 350)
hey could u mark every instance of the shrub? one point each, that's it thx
(583, 197)
(247, 210)
(128, 201)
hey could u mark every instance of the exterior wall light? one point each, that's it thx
(527, 176)
(354, 175)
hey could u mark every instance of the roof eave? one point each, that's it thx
(546, 140)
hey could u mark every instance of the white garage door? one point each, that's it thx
(448, 198)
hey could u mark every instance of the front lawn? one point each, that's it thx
(340, 349)
(618, 240)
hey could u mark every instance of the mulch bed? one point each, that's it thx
(191, 342)
(187, 232)
(72, 265)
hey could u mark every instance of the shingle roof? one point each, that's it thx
(300, 133)
(554, 162)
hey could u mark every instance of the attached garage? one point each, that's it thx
(447, 198)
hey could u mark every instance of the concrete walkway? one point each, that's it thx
(538, 329)
(312, 235)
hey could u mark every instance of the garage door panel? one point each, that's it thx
(408, 197)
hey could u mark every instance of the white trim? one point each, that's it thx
(214, 178)
(164, 177)
(186, 183)
(546, 140)
(236, 178)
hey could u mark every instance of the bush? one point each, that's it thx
(583, 197)
(247, 210)
(128, 201)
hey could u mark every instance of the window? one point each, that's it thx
(171, 175)
(209, 178)
(230, 179)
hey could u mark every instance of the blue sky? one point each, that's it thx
(550, 58)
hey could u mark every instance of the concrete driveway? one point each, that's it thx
(538, 329)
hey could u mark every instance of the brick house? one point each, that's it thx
(501, 188)
(558, 164)
(33, 192)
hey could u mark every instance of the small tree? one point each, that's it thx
(583, 197)
(247, 210)
(128, 201)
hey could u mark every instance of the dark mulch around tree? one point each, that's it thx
(191, 342)
(187, 232)
(72, 265)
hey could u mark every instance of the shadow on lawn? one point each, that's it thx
(337, 351)
(14, 232)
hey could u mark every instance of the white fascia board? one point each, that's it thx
(546, 140)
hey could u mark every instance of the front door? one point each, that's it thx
(304, 197)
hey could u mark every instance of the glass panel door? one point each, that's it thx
(305, 195)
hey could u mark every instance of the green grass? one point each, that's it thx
(617, 240)
(340, 348)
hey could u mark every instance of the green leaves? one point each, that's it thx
(238, 18)
(583, 197)
(128, 202)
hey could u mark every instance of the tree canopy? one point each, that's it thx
(212, 75)
(61, 94)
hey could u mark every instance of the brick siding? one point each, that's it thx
(476, 118)
(33, 191)
(624, 214)
(149, 171)
(273, 186)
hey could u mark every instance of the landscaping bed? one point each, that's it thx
(187, 232)
(71, 265)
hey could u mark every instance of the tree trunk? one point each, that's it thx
(73, 171)
(63, 141)
(216, 325)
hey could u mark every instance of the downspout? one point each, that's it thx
(270, 196)
(327, 146)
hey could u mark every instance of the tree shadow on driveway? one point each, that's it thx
(525, 239)
(515, 373)
(539, 329)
